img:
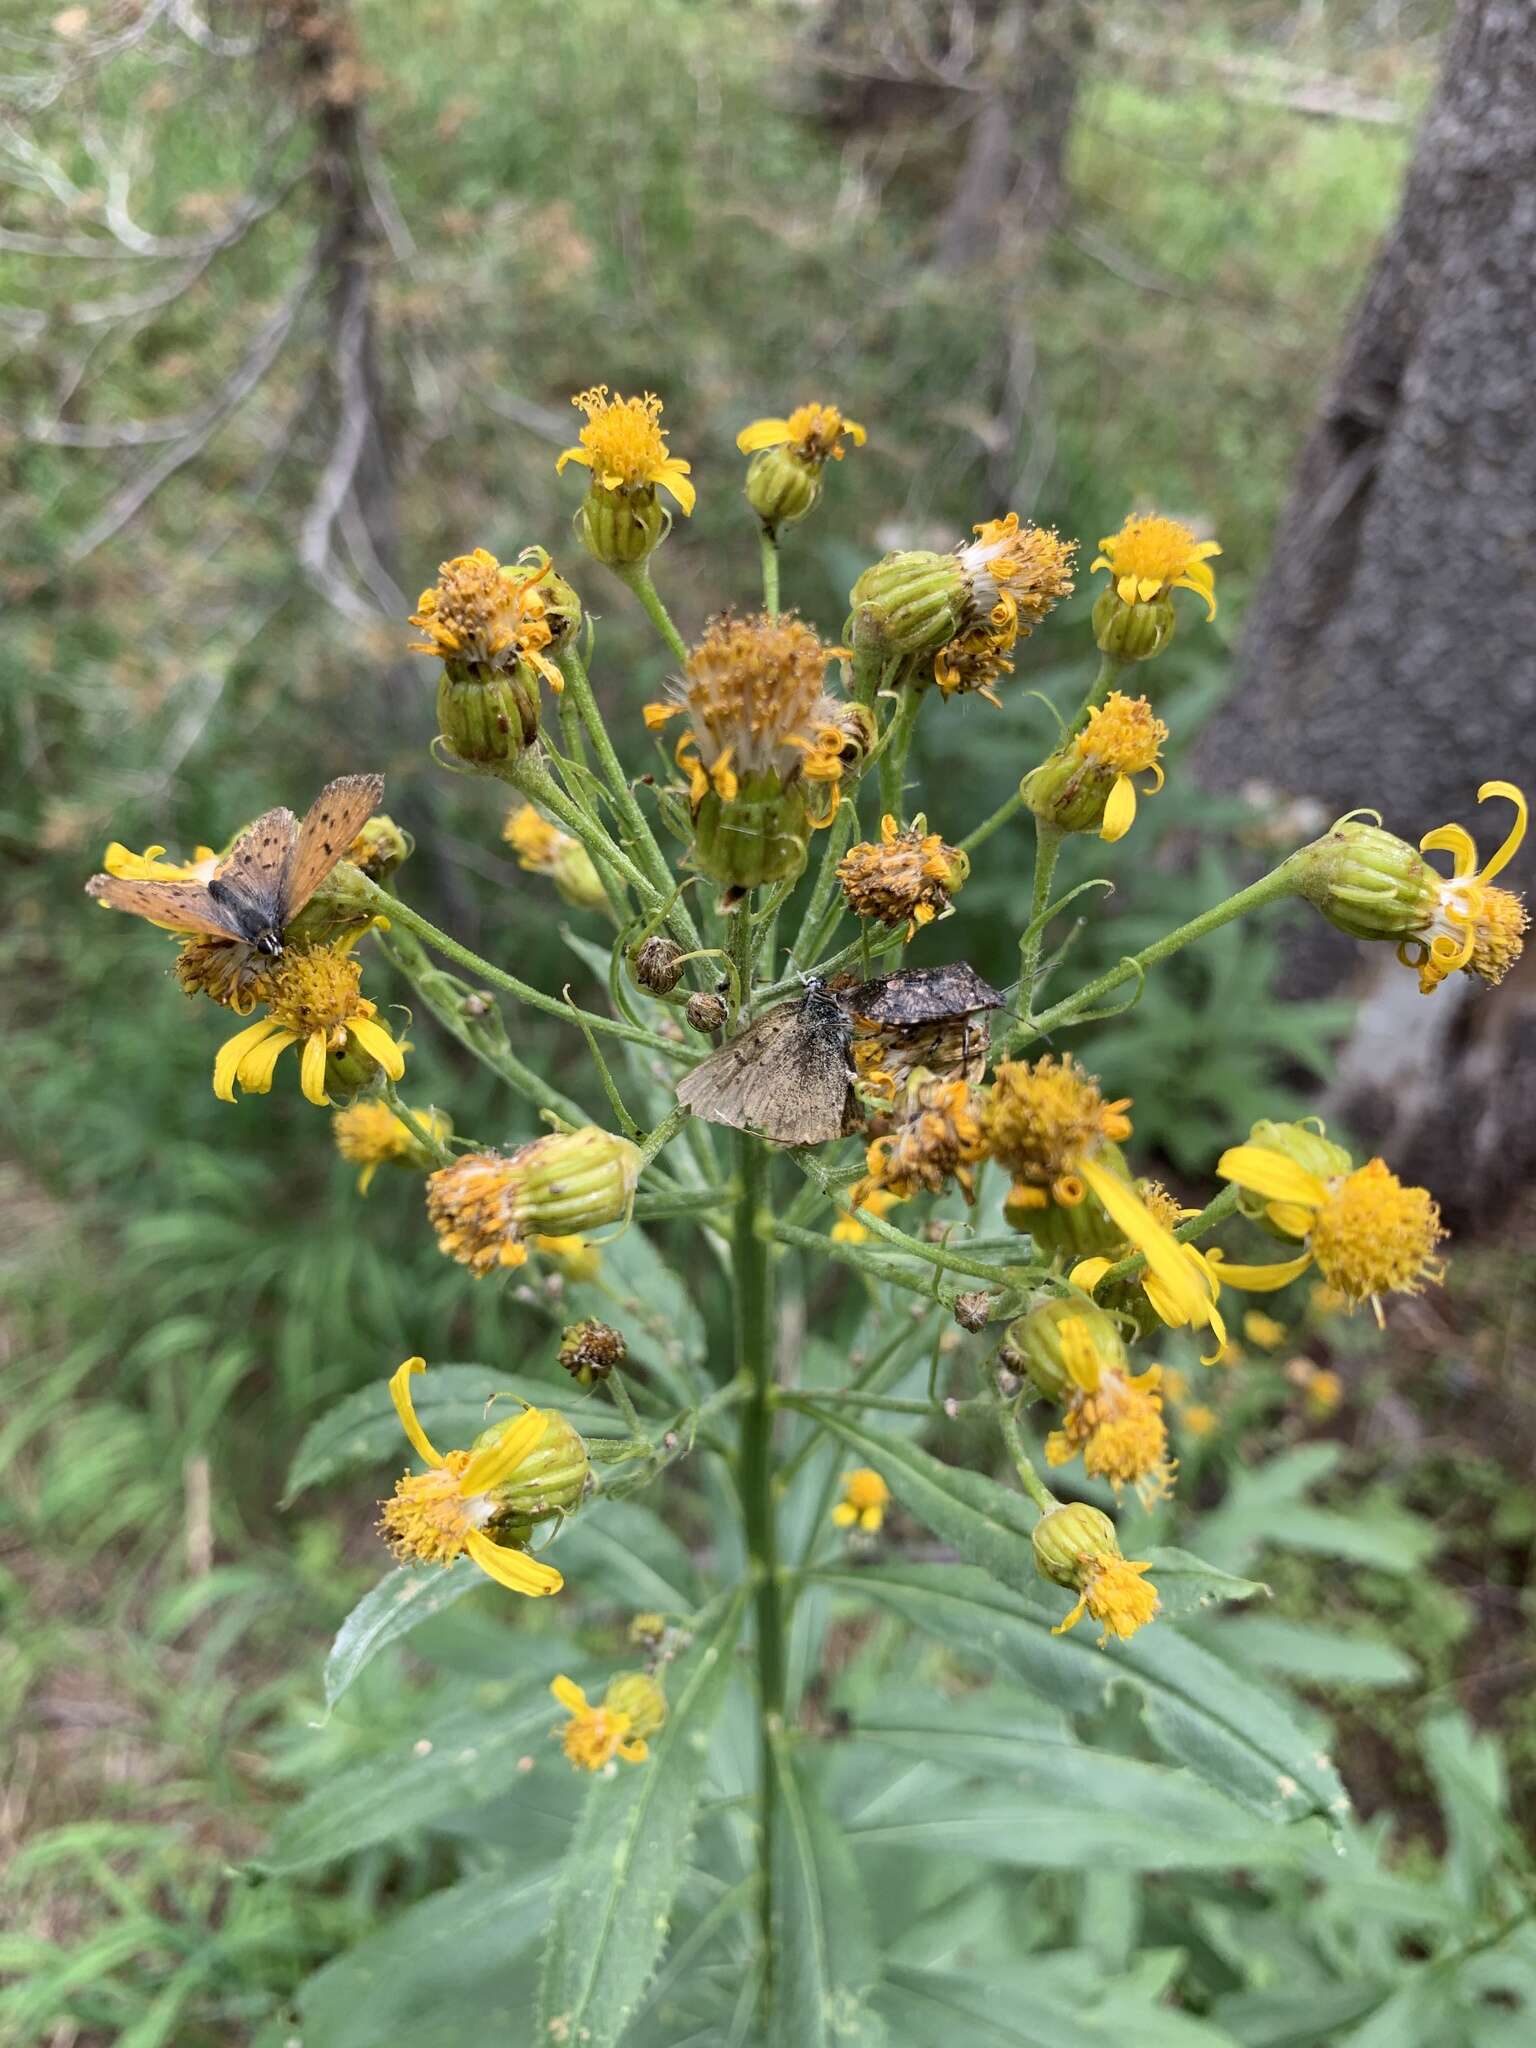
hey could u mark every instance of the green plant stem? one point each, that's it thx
(753, 1305)
(664, 1133)
(1111, 667)
(1029, 1478)
(1047, 850)
(741, 948)
(1217, 1210)
(403, 952)
(988, 826)
(529, 774)
(659, 1208)
(892, 1404)
(1269, 888)
(943, 1256)
(825, 907)
(400, 913)
(416, 1127)
(638, 579)
(893, 758)
(770, 549)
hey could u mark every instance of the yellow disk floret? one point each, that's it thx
(813, 433)
(1119, 1429)
(483, 615)
(1376, 1236)
(1043, 1120)
(865, 1500)
(314, 1000)
(625, 445)
(1114, 1594)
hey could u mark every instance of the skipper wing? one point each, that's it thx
(179, 906)
(333, 821)
(782, 1079)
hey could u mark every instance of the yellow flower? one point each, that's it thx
(485, 1206)
(1198, 1419)
(1150, 556)
(1114, 1593)
(1476, 927)
(1321, 1387)
(865, 1500)
(938, 1137)
(594, 1736)
(1366, 1232)
(1115, 1420)
(313, 1000)
(370, 1135)
(1122, 739)
(849, 1230)
(576, 1259)
(442, 1514)
(543, 849)
(624, 445)
(1015, 576)
(1263, 1330)
(481, 615)
(813, 433)
(752, 691)
(907, 876)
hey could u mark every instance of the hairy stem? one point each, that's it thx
(770, 548)
(1047, 848)
(638, 578)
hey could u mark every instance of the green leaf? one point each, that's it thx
(825, 1957)
(1234, 1734)
(1316, 1656)
(629, 1556)
(1009, 2009)
(438, 1974)
(466, 1757)
(990, 1525)
(615, 1893)
(450, 1400)
(401, 1601)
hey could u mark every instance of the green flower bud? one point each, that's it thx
(1037, 1340)
(1305, 1147)
(781, 487)
(1068, 791)
(488, 716)
(621, 528)
(911, 603)
(573, 1181)
(1076, 1230)
(1367, 882)
(1132, 632)
(550, 1480)
(1062, 1538)
(759, 836)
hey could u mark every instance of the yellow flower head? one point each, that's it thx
(594, 1736)
(1076, 1546)
(443, 1513)
(543, 849)
(753, 695)
(625, 446)
(1321, 1387)
(1015, 576)
(865, 1500)
(1475, 927)
(907, 876)
(973, 661)
(313, 999)
(1367, 1233)
(813, 434)
(1045, 1122)
(370, 1135)
(1150, 556)
(938, 1138)
(1263, 1330)
(849, 1230)
(1122, 739)
(483, 615)
(1118, 1426)
(486, 1206)
(1198, 1419)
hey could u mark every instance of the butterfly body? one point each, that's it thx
(266, 878)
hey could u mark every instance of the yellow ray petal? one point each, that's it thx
(673, 477)
(255, 1071)
(1271, 1175)
(499, 1460)
(1120, 811)
(1457, 842)
(312, 1070)
(634, 1752)
(405, 1408)
(378, 1044)
(1087, 1273)
(569, 1694)
(513, 1569)
(573, 455)
(1162, 1251)
(1511, 844)
(1263, 1279)
(762, 434)
(233, 1051)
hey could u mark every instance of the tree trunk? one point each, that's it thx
(1390, 658)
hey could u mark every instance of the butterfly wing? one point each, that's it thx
(252, 879)
(180, 906)
(786, 1078)
(333, 821)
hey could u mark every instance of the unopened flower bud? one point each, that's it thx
(1367, 882)
(379, 849)
(1305, 1147)
(780, 487)
(1132, 632)
(1064, 1536)
(638, 1695)
(552, 1477)
(647, 1630)
(657, 965)
(591, 1351)
(705, 1011)
(909, 603)
(1065, 1345)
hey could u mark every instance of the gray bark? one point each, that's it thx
(1391, 656)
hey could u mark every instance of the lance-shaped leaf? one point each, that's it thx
(825, 1959)
(629, 1852)
(402, 1600)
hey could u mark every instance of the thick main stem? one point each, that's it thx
(1047, 848)
(754, 1362)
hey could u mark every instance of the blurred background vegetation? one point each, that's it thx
(294, 300)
